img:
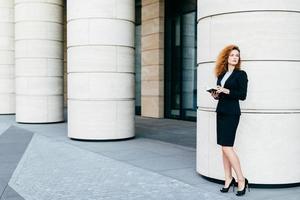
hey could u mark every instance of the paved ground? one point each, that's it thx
(158, 164)
(13, 143)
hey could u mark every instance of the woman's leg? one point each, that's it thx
(235, 163)
(227, 170)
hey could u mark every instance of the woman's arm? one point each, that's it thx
(240, 93)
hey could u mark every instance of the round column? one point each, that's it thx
(268, 139)
(7, 86)
(100, 69)
(39, 60)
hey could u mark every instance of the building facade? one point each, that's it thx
(106, 61)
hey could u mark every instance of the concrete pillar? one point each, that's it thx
(7, 86)
(153, 58)
(39, 60)
(268, 139)
(100, 69)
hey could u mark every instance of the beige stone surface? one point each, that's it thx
(152, 11)
(152, 106)
(152, 90)
(153, 73)
(153, 41)
(153, 57)
(151, 26)
(147, 2)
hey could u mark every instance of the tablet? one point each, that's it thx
(210, 90)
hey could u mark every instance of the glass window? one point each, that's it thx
(138, 9)
(180, 60)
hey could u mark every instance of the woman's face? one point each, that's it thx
(234, 57)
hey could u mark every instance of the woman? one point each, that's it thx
(231, 87)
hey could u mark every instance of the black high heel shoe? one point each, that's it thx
(232, 183)
(242, 192)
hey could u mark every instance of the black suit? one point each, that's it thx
(228, 108)
(237, 84)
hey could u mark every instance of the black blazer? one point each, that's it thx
(237, 83)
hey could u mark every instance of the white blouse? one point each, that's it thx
(225, 77)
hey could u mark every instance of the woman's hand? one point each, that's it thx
(215, 95)
(222, 90)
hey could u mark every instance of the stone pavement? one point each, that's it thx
(158, 164)
(13, 143)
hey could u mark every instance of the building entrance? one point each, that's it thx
(180, 60)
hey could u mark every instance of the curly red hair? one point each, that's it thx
(222, 60)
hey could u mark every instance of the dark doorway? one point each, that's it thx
(138, 65)
(180, 59)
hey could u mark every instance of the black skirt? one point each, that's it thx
(226, 128)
